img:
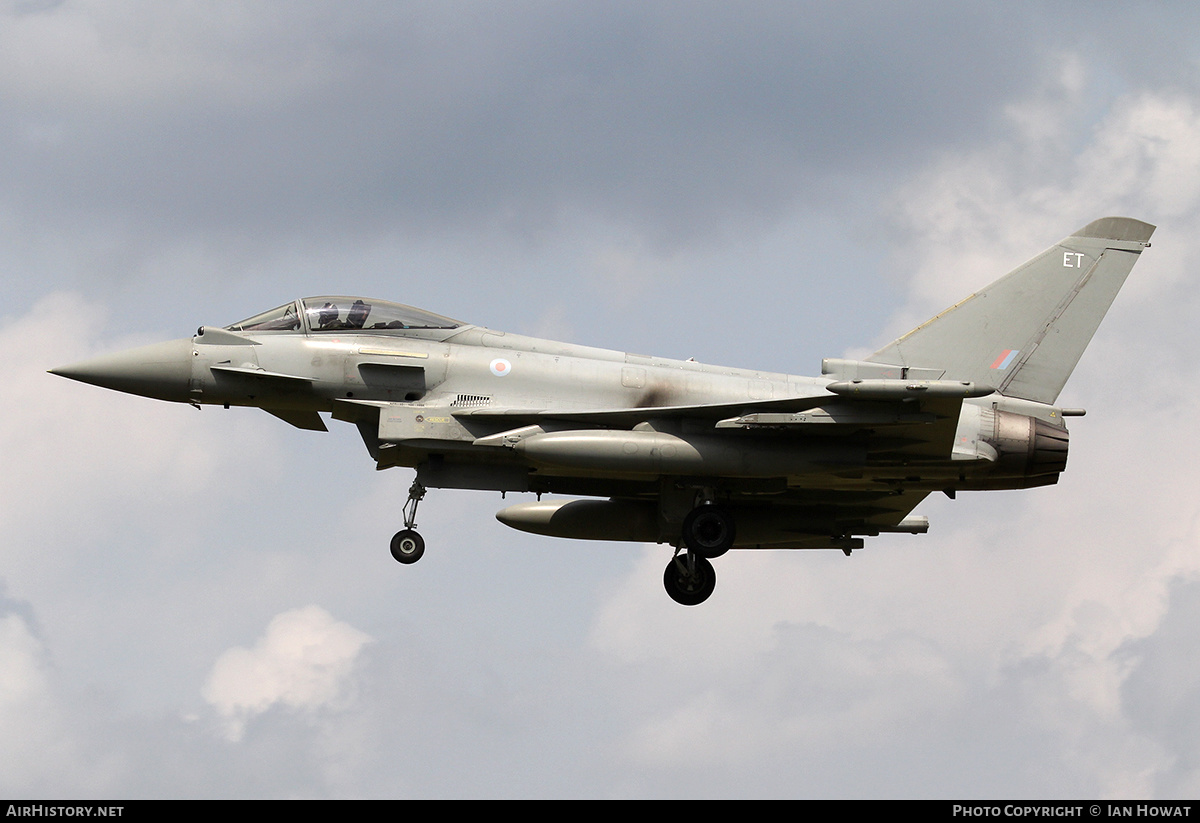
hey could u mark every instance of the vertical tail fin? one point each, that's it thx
(1024, 333)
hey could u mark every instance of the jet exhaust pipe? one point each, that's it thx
(1028, 446)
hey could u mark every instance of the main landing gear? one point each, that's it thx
(708, 532)
(407, 545)
(689, 578)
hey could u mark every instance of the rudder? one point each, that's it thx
(1024, 333)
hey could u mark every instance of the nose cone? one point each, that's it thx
(162, 370)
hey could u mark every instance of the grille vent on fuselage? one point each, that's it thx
(468, 400)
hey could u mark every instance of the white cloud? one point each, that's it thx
(82, 460)
(303, 662)
(978, 214)
(47, 750)
(29, 721)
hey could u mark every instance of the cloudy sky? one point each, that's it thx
(202, 604)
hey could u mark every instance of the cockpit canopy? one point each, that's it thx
(343, 314)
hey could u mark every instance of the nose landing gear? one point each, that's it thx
(689, 578)
(407, 544)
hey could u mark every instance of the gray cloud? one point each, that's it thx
(412, 118)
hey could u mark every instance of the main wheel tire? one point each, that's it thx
(708, 531)
(407, 546)
(689, 589)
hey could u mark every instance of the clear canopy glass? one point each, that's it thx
(339, 313)
(356, 313)
(284, 318)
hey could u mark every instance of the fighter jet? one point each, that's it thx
(701, 458)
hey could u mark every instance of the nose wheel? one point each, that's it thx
(689, 579)
(407, 544)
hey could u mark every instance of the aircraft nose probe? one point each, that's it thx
(161, 370)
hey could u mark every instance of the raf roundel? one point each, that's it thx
(500, 367)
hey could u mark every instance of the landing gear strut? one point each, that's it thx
(689, 578)
(407, 545)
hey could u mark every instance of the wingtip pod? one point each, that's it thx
(1124, 229)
